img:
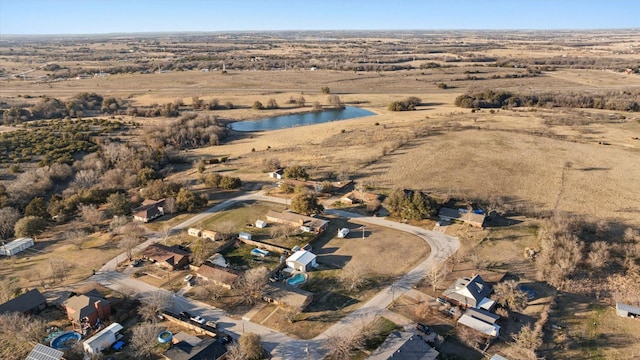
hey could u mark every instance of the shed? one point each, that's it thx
(16, 246)
(261, 224)
(244, 236)
(282, 294)
(194, 232)
(482, 315)
(625, 310)
(342, 233)
(480, 326)
(302, 260)
(103, 339)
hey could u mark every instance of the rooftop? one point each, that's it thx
(23, 303)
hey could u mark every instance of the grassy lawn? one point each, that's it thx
(239, 215)
(239, 256)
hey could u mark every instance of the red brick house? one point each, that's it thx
(87, 309)
(167, 257)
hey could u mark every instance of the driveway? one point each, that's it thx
(280, 345)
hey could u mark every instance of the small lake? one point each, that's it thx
(309, 118)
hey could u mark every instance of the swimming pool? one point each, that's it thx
(297, 279)
(66, 340)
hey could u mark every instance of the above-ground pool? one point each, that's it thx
(66, 341)
(164, 337)
(297, 279)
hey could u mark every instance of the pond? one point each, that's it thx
(309, 118)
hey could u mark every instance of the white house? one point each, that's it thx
(194, 232)
(302, 260)
(102, 340)
(16, 246)
(278, 174)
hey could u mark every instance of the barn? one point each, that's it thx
(16, 246)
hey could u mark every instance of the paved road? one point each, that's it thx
(280, 345)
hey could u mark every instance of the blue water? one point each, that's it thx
(66, 341)
(310, 118)
(296, 279)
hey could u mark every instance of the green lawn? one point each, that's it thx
(241, 214)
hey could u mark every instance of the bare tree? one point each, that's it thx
(8, 289)
(132, 234)
(477, 261)
(508, 294)
(598, 257)
(469, 336)
(291, 313)
(527, 342)
(344, 345)
(234, 352)
(170, 205)
(201, 248)
(559, 256)
(143, 340)
(353, 277)
(251, 286)
(8, 218)
(76, 236)
(91, 214)
(153, 303)
(250, 346)
(18, 334)
(437, 275)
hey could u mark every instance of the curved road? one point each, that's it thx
(280, 345)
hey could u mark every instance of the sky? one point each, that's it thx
(120, 16)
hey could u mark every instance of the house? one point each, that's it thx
(85, 310)
(282, 294)
(479, 325)
(468, 217)
(470, 292)
(625, 310)
(194, 232)
(207, 349)
(278, 174)
(15, 246)
(359, 197)
(168, 257)
(211, 235)
(43, 352)
(149, 210)
(401, 345)
(302, 260)
(30, 302)
(306, 223)
(261, 224)
(482, 315)
(103, 339)
(220, 276)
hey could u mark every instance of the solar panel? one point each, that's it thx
(43, 352)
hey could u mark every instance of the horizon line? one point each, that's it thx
(309, 30)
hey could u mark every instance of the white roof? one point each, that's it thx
(21, 243)
(43, 352)
(498, 357)
(111, 329)
(481, 326)
(302, 256)
(486, 304)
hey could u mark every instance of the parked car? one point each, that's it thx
(442, 301)
(423, 328)
(185, 314)
(188, 278)
(212, 324)
(118, 345)
(198, 319)
(135, 263)
(226, 338)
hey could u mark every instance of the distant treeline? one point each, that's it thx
(618, 100)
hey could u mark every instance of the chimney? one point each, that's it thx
(100, 309)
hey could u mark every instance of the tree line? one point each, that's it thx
(615, 100)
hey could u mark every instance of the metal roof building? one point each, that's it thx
(16, 246)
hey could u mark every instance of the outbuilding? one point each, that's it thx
(302, 260)
(16, 246)
(244, 236)
(103, 339)
(625, 310)
(261, 224)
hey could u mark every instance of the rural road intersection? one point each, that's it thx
(282, 346)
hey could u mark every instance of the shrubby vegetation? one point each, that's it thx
(189, 132)
(620, 100)
(409, 103)
(411, 205)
